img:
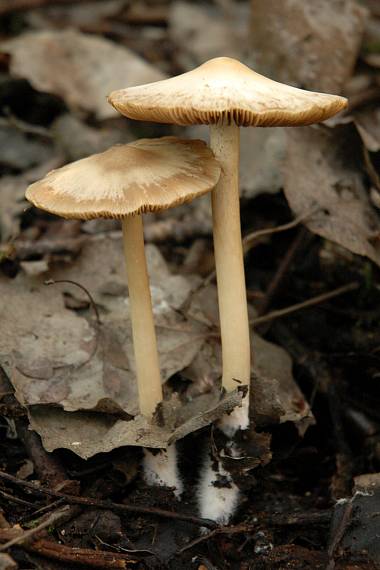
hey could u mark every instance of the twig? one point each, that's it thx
(249, 239)
(13, 121)
(268, 519)
(13, 499)
(282, 269)
(305, 304)
(74, 556)
(117, 507)
(51, 519)
(92, 302)
(35, 514)
(339, 533)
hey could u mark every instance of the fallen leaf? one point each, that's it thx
(368, 124)
(19, 151)
(310, 44)
(324, 184)
(201, 32)
(81, 69)
(87, 434)
(65, 361)
(12, 192)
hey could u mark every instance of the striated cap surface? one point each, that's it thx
(223, 91)
(148, 175)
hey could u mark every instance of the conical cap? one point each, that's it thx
(148, 175)
(223, 91)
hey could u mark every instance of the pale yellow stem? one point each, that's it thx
(233, 310)
(144, 336)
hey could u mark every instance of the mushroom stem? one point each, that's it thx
(144, 336)
(229, 262)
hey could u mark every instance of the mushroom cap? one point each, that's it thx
(147, 175)
(224, 91)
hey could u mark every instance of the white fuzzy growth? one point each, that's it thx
(216, 503)
(236, 420)
(161, 469)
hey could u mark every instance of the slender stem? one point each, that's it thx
(233, 311)
(144, 336)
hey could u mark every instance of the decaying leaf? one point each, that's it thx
(324, 183)
(89, 367)
(83, 368)
(89, 433)
(202, 31)
(310, 44)
(368, 124)
(18, 151)
(12, 192)
(12, 197)
(81, 69)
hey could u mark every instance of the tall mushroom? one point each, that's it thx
(226, 95)
(124, 182)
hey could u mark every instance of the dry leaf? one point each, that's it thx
(12, 194)
(368, 124)
(87, 434)
(63, 360)
(19, 151)
(310, 44)
(202, 31)
(323, 177)
(81, 69)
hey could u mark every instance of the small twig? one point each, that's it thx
(305, 304)
(107, 505)
(92, 302)
(249, 239)
(13, 121)
(43, 510)
(13, 499)
(51, 519)
(339, 533)
(272, 520)
(282, 269)
(238, 529)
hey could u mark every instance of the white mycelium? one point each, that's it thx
(161, 469)
(218, 496)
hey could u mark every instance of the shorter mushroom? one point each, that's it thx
(123, 182)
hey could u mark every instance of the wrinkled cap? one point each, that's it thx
(224, 91)
(148, 175)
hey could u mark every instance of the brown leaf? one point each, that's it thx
(310, 44)
(55, 357)
(323, 180)
(12, 192)
(81, 69)
(89, 433)
(368, 124)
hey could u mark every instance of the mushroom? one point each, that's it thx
(124, 182)
(226, 95)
